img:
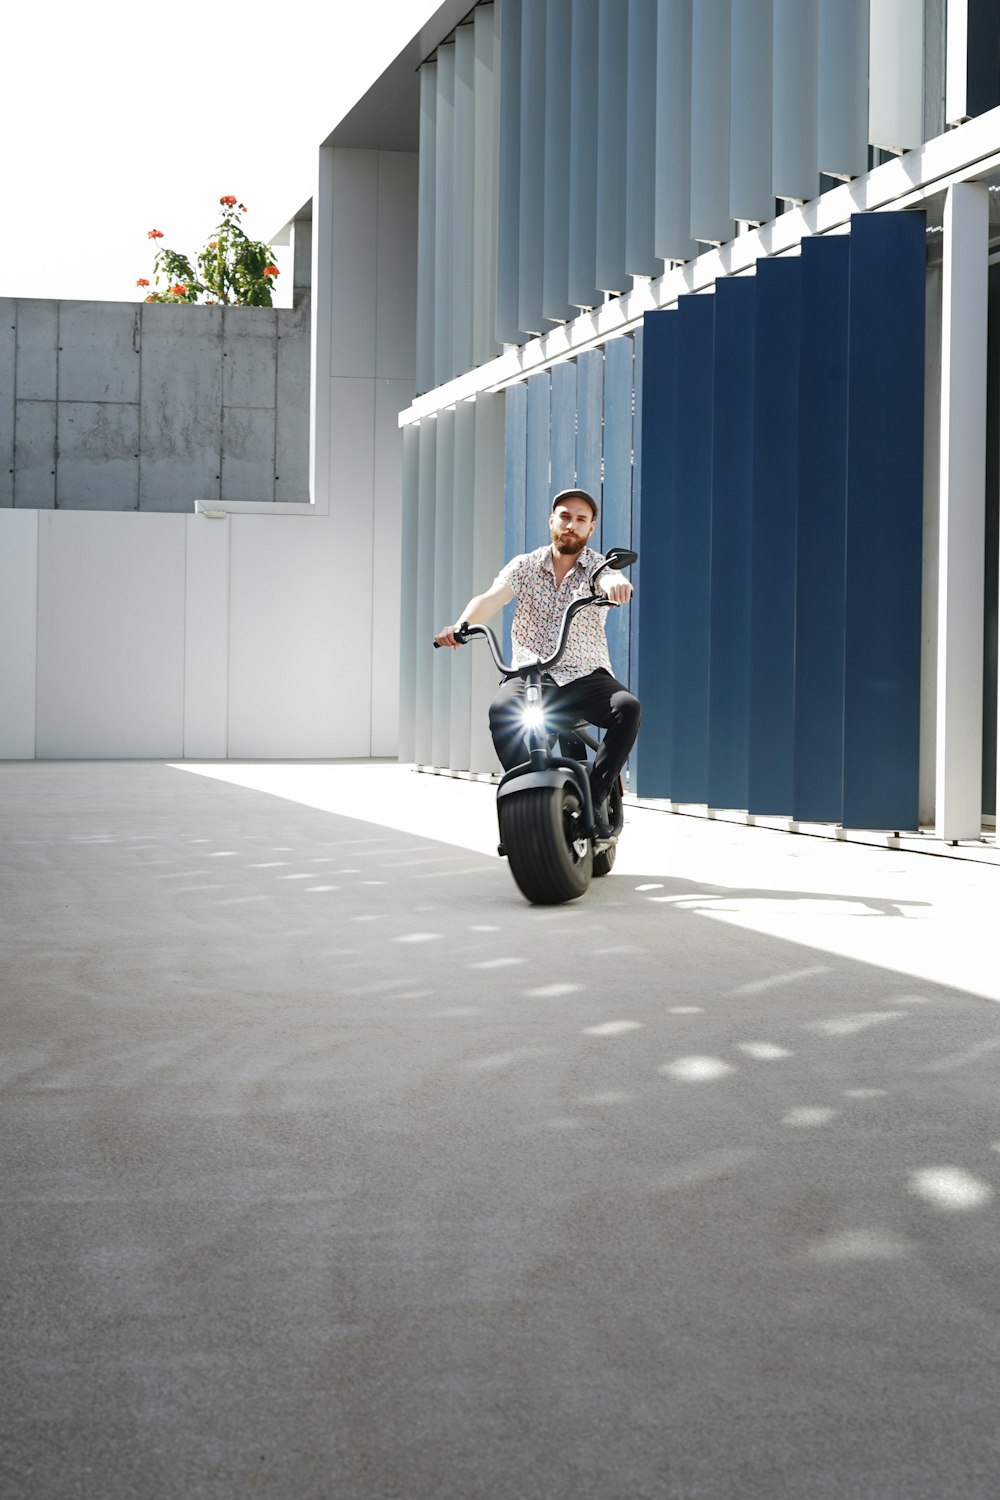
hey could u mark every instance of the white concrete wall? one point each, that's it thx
(271, 630)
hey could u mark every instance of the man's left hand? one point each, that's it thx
(618, 590)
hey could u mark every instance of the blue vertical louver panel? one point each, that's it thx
(515, 446)
(692, 550)
(532, 206)
(509, 203)
(612, 94)
(672, 227)
(732, 493)
(635, 570)
(583, 156)
(562, 453)
(536, 489)
(616, 512)
(819, 611)
(775, 498)
(652, 659)
(884, 521)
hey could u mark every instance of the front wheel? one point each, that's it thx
(550, 855)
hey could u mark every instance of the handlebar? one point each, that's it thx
(617, 558)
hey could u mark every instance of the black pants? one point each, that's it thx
(597, 699)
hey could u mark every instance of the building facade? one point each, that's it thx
(727, 263)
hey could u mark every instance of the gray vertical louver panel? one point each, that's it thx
(509, 134)
(640, 153)
(443, 214)
(463, 584)
(555, 270)
(445, 607)
(425, 228)
(896, 74)
(408, 636)
(710, 85)
(672, 227)
(487, 560)
(842, 130)
(425, 626)
(532, 200)
(484, 265)
(583, 156)
(612, 87)
(750, 195)
(462, 203)
(795, 169)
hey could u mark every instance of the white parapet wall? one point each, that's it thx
(246, 630)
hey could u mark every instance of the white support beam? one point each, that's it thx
(961, 542)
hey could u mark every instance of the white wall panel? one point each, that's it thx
(352, 264)
(427, 622)
(956, 98)
(298, 681)
(794, 171)
(206, 639)
(116, 687)
(531, 205)
(750, 194)
(18, 626)
(896, 74)
(842, 127)
(710, 117)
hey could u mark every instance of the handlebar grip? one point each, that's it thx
(461, 635)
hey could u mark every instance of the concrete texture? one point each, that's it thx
(332, 1169)
(126, 406)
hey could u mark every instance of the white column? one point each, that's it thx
(961, 545)
(487, 560)
(462, 582)
(321, 340)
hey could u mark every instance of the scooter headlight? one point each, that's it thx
(533, 716)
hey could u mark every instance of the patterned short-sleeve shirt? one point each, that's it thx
(539, 612)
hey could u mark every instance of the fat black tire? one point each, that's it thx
(537, 827)
(604, 861)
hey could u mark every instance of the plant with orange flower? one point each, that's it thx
(232, 268)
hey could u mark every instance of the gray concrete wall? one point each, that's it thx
(146, 406)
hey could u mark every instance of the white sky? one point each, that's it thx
(117, 119)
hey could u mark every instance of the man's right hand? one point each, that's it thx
(447, 637)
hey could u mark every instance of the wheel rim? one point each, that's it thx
(572, 821)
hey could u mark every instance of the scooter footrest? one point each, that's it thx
(501, 851)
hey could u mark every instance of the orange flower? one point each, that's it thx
(229, 200)
(213, 244)
(155, 234)
(178, 291)
(142, 281)
(271, 271)
(149, 299)
(243, 208)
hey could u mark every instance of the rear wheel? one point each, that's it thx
(604, 861)
(550, 855)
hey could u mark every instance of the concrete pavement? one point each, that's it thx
(332, 1169)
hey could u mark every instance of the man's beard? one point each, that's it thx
(570, 545)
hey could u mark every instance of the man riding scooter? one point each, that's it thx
(582, 686)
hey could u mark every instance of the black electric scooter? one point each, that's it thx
(544, 807)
